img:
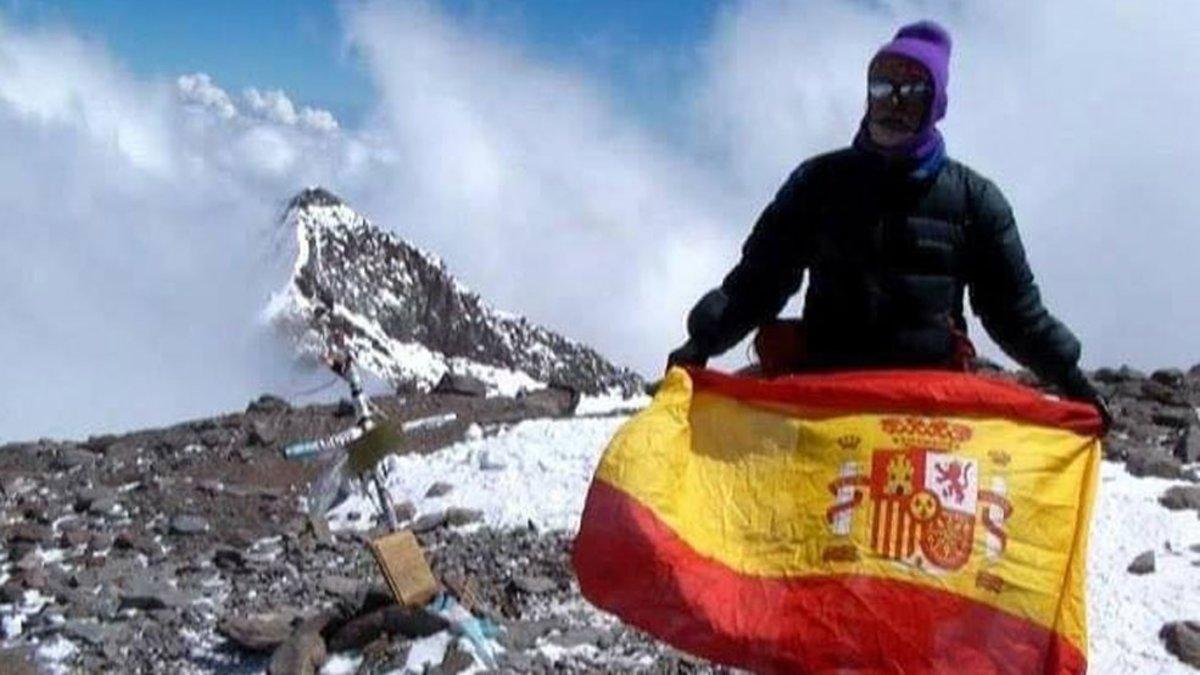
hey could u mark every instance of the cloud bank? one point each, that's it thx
(139, 214)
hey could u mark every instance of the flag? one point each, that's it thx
(862, 522)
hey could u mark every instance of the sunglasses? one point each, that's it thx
(879, 89)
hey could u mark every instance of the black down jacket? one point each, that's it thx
(888, 259)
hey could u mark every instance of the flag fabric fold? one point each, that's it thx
(866, 522)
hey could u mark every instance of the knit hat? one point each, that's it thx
(928, 44)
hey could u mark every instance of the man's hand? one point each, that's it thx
(687, 355)
(1077, 386)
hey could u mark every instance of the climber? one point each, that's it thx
(891, 232)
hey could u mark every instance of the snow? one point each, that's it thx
(1126, 610)
(538, 471)
(427, 651)
(342, 664)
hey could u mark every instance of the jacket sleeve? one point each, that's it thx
(1006, 297)
(770, 271)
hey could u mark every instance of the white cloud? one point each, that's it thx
(273, 105)
(138, 213)
(198, 89)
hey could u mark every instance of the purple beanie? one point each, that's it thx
(928, 44)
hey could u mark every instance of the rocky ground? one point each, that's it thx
(187, 549)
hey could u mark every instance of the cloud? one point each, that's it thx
(198, 89)
(139, 213)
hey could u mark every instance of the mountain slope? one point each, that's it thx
(402, 316)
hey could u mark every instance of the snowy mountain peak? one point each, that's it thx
(402, 316)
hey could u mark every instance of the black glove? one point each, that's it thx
(1075, 385)
(689, 354)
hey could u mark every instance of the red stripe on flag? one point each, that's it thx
(917, 392)
(631, 564)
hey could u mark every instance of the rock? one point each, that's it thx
(577, 637)
(73, 538)
(18, 661)
(103, 507)
(534, 585)
(257, 632)
(268, 403)
(130, 541)
(439, 489)
(149, 594)
(30, 533)
(262, 434)
(11, 592)
(458, 516)
(1180, 497)
(31, 560)
(188, 525)
(1175, 418)
(428, 522)
(553, 401)
(228, 559)
(412, 622)
(342, 587)
(1182, 639)
(1187, 448)
(1126, 373)
(34, 579)
(462, 385)
(1143, 564)
(90, 632)
(405, 511)
(345, 408)
(71, 457)
(1171, 377)
(1145, 461)
(303, 653)
(88, 496)
(1156, 391)
(101, 541)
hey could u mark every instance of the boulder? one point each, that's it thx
(1146, 461)
(1187, 448)
(461, 385)
(553, 401)
(188, 525)
(1171, 377)
(1161, 393)
(1182, 638)
(303, 653)
(456, 516)
(269, 404)
(411, 622)
(257, 632)
(31, 533)
(1181, 497)
(438, 489)
(1143, 564)
(262, 434)
(72, 456)
(1176, 418)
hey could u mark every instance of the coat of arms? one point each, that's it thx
(925, 502)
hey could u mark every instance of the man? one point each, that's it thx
(891, 231)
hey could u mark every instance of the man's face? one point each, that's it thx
(895, 113)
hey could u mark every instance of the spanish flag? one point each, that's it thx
(863, 522)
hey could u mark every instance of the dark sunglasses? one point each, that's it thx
(879, 89)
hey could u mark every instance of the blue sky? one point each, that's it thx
(643, 51)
